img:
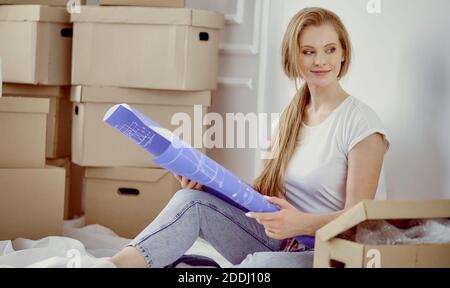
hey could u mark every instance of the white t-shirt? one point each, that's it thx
(315, 179)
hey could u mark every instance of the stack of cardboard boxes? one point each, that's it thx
(35, 47)
(161, 60)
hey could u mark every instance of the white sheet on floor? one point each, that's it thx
(81, 246)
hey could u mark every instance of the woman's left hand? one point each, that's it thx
(286, 223)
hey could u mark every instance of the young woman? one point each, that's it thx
(327, 156)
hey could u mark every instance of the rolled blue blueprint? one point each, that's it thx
(176, 156)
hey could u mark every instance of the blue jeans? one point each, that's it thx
(191, 214)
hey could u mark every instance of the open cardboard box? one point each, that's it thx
(332, 251)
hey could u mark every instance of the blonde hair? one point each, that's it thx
(271, 180)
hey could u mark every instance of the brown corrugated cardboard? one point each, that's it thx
(63, 163)
(73, 189)
(23, 127)
(41, 2)
(59, 120)
(76, 195)
(127, 199)
(332, 249)
(36, 44)
(156, 48)
(96, 144)
(31, 202)
(149, 3)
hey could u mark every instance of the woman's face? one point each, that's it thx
(321, 55)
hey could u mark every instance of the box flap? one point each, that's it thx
(139, 96)
(24, 105)
(390, 209)
(414, 209)
(149, 15)
(126, 174)
(345, 221)
(24, 90)
(34, 13)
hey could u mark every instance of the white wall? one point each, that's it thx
(401, 68)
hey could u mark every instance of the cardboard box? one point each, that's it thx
(149, 3)
(73, 197)
(143, 47)
(31, 202)
(96, 144)
(127, 199)
(59, 120)
(23, 126)
(41, 2)
(36, 44)
(332, 251)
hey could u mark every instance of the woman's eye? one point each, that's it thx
(331, 50)
(308, 52)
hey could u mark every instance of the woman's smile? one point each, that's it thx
(320, 72)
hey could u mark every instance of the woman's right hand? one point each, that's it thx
(186, 183)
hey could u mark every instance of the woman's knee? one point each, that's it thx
(187, 194)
